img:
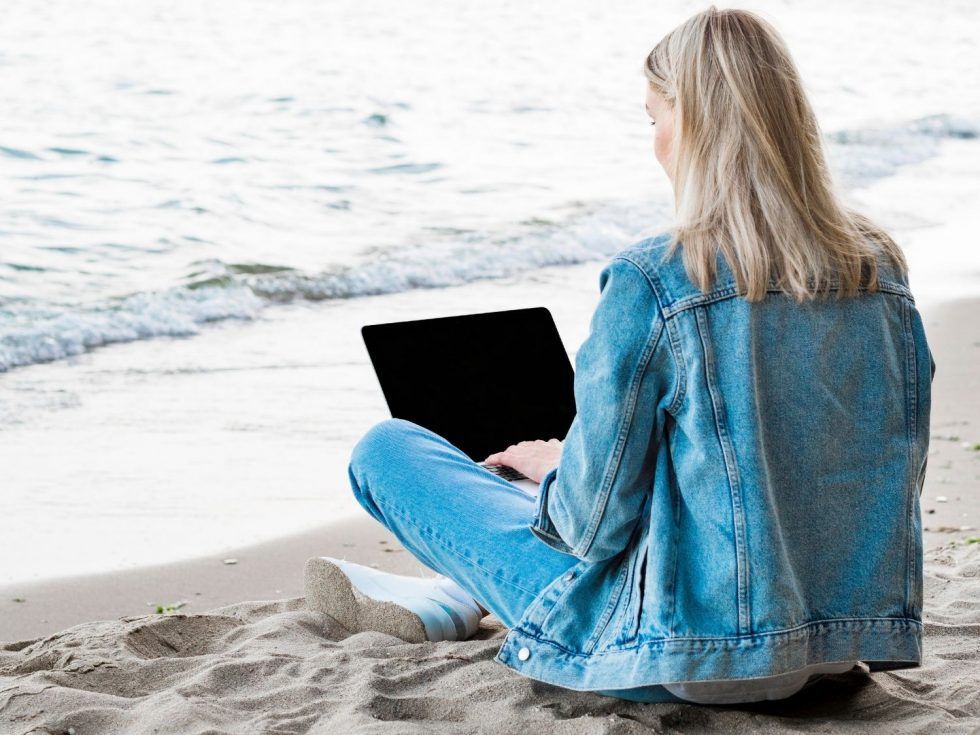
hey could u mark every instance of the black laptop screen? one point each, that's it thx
(482, 381)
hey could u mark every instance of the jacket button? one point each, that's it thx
(569, 576)
(524, 654)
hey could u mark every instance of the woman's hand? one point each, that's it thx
(533, 459)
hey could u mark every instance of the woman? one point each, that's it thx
(734, 510)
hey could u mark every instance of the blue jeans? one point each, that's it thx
(461, 520)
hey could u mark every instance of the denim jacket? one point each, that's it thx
(740, 484)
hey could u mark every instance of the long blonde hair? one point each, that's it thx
(749, 171)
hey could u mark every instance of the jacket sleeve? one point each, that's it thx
(590, 503)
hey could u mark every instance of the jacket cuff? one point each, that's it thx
(542, 527)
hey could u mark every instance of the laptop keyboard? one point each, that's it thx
(502, 470)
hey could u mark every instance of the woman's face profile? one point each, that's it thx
(661, 114)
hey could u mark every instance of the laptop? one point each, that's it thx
(482, 381)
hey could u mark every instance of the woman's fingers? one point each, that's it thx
(501, 457)
(515, 451)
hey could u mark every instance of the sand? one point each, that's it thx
(276, 667)
(218, 665)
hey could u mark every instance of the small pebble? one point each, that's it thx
(941, 499)
(235, 561)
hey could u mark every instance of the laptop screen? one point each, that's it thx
(482, 381)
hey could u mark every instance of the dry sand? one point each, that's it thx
(275, 667)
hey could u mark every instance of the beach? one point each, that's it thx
(187, 258)
(275, 667)
(203, 206)
(91, 653)
(235, 650)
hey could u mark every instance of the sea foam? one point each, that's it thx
(39, 334)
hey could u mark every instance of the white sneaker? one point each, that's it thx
(414, 609)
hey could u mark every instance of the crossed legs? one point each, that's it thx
(456, 517)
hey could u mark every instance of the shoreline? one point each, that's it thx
(234, 440)
(273, 569)
(266, 571)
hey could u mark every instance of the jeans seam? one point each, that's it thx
(401, 514)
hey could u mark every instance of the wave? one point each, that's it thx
(218, 291)
(221, 291)
(595, 235)
(861, 156)
(30, 337)
(591, 237)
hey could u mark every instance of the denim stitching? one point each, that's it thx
(910, 396)
(641, 575)
(675, 531)
(734, 484)
(540, 519)
(561, 593)
(630, 580)
(680, 388)
(844, 623)
(428, 534)
(656, 285)
(607, 614)
(628, 585)
(721, 294)
(626, 423)
(612, 468)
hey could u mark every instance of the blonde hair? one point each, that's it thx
(749, 171)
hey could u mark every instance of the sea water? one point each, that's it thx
(203, 202)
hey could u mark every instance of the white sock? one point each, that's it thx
(448, 612)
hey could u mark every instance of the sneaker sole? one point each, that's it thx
(329, 591)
